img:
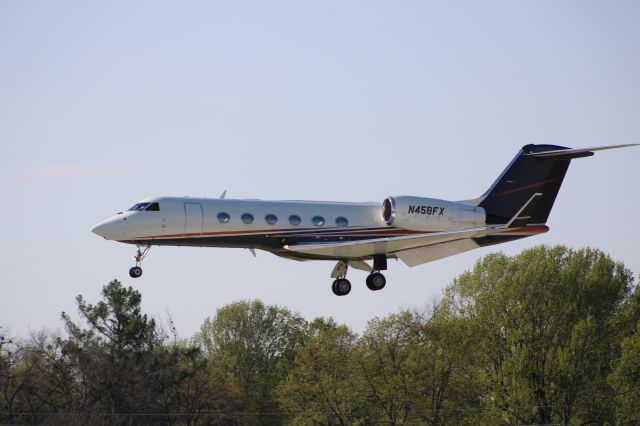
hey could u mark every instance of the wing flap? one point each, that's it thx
(418, 256)
(389, 245)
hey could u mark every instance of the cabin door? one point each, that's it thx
(193, 219)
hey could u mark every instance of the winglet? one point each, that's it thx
(224, 194)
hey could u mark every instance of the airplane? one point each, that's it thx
(362, 235)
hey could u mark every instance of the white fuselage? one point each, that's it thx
(270, 225)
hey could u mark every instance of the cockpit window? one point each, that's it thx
(139, 207)
(153, 207)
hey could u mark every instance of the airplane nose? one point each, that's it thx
(99, 230)
(110, 229)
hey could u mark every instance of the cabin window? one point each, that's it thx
(271, 219)
(295, 220)
(342, 221)
(223, 217)
(153, 207)
(247, 218)
(318, 220)
(139, 207)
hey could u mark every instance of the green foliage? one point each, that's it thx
(252, 346)
(322, 386)
(116, 351)
(117, 365)
(418, 370)
(385, 357)
(625, 380)
(182, 387)
(116, 321)
(549, 336)
(449, 390)
(546, 325)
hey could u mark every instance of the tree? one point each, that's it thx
(184, 390)
(547, 329)
(324, 385)
(124, 365)
(445, 359)
(253, 346)
(113, 355)
(420, 369)
(16, 373)
(385, 358)
(625, 380)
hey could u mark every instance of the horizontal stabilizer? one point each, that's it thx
(575, 153)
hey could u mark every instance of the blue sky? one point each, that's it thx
(102, 104)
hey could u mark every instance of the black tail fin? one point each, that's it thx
(526, 176)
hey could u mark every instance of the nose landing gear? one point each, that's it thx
(136, 271)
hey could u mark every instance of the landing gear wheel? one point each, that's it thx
(341, 287)
(135, 272)
(376, 281)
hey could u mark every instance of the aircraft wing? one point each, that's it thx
(411, 249)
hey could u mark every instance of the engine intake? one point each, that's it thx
(389, 210)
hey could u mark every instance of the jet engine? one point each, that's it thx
(430, 214)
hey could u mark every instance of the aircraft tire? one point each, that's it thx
(135, 272)
(341, 287)
(376, 281)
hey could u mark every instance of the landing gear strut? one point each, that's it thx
(136, 271)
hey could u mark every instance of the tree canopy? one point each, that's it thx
(549, 336)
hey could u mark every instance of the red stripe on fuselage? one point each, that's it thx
(290, 231)
(223, 233)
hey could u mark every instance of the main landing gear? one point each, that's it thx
(136, 271)
(341, 287)
(375, 281)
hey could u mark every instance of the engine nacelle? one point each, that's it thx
(430, 214)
